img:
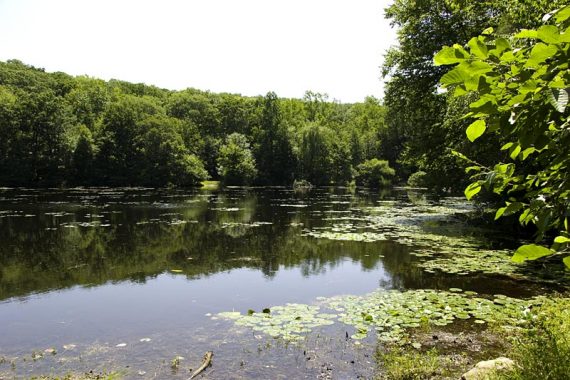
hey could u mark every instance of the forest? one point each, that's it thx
(475, 109)
(59, 130)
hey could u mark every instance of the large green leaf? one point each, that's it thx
(526, 33)
(530, 252)
(508, 210)
(456, 76)
(450, 55)
(472, 190)
(563, 14)
(566, 261)
(476, 129)
(549, 34)
(478, 48)
(540, 53)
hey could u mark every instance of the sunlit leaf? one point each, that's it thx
(549, 34)
(472, 190)
(476, 129)
(450, 55)
(561, 239)
(530, 252)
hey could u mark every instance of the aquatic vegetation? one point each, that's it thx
(468, 261)
(288, 322)
(347, 236)
(388, 313)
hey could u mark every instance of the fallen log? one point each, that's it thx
(205, 364)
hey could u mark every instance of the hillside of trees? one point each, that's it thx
(59, 130)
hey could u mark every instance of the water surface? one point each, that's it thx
(90, 269)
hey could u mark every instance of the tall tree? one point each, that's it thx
(274, 153)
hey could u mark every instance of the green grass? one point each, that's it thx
(542, 352)
(408, 364)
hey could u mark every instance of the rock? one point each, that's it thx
(484, 369)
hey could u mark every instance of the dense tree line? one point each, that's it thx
(59, 130)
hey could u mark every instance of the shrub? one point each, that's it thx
(236, 164)
(418, 179)
(374, 173)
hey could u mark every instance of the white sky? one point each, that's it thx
(240, 46)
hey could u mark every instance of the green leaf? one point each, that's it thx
(527, 152)
(478, 48)
(525, 217)
(488, 31)
(500, 212)
(540, 53)
(476, 129)
(509, 210)
(459, 155)
(561, 239)
(530, 252)
(515, 152)
(562, 15)
(501, 44)
(527, 33)
(508, 56)
(456, 76)
(566, 261)
(472, 190)
(450, 55)
(558, 98)
(549, 34)
(459, 91)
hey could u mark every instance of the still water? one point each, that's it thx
(127, 279)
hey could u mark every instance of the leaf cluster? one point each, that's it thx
(522, 83)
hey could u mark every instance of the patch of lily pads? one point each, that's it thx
(439, 241)
(389, 313)
(473, 261)
(289, 322)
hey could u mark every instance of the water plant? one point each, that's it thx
(388, 313)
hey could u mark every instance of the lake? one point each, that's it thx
(128, 279)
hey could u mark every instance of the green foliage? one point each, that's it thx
(542, 352)
(57, 130)
(274, 152)
(522, 86)
(402, 364)
(374, 173)
(236, 164)
(165, 158)
(418, 179)
(315, 156)
(422, 122)
(82, 161)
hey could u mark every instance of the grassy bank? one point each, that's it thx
(540, 349)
